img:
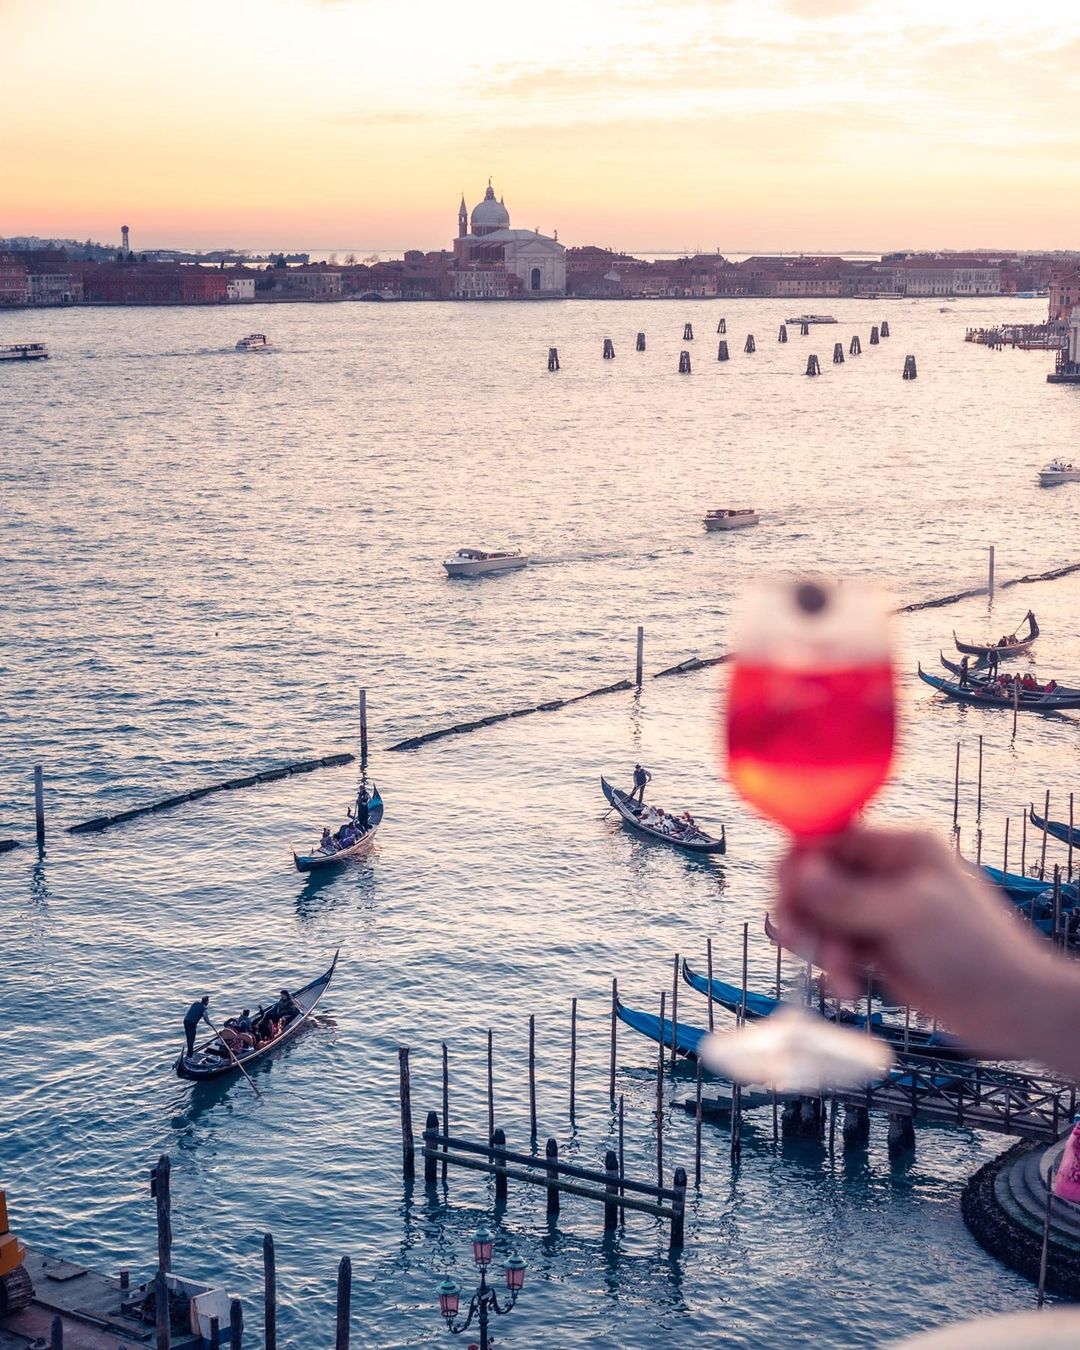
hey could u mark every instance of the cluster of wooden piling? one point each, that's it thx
(161, 1192)
(684, 363)
(610, 1187)
(813, 366)
(910, 373)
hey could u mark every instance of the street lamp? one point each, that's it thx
(484, 1302)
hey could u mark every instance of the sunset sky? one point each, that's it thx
(743, 124)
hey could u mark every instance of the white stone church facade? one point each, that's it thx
(494, 262)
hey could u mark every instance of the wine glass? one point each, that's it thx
(811, 710)
(810, 733)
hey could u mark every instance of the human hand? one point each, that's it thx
(936, 933)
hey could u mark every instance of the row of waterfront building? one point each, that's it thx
(490, 260)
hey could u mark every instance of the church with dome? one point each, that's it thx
(494, 262)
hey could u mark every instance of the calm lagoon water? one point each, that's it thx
(205, 555)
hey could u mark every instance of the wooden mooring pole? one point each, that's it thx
(782, 336)
(236, 1325)
(684, 363)
(161, 1190)
(344, 1304)
(722, 353)
(855, 346)
(708, 957)
(978, 797)
(269, 1293)
(813, 365)
(697, 1126)
(614, 1036)
(748, 346)
(162, 1319)
(990, 573)
(490, 1084)
(660, 1097)
(674, 1010)
(956, 794)
(641, 342)
(1005, 859)
(39, 808)
(363, 728)
(445, 1097)
(639, 668)
(553, 358)
(532, 1079)
(1046, 821)
(573, 1055)
(408, 1148)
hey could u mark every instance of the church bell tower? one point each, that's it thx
(462, 219)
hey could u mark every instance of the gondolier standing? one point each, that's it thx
(965, 681)
(195, 1014)
(362, 817)
(641, 777)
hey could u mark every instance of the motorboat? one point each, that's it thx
(254, 342)
(731, 519)
(1058, 471)
(812, 318)
(24, 351)
(477, 562)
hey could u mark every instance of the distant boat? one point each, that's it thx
(476, 562)
(1058, 471)
(630, 811)
(318, 857)
(24, 351)
(731, 519)
(812, 318)
(254, 342)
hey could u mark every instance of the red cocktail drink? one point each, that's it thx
(809, 749)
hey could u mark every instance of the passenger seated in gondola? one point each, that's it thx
(1050, 686)
(326, 843)
(1029, 682)
(243, 1022)
(286, 1008)
(237, 1040)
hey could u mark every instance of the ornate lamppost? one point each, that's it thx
(484, 1302)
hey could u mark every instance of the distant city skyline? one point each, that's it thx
(787, 123)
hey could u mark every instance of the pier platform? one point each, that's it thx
(1004, 1206)
(92, 1307)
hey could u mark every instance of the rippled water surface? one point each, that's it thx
(205, 555)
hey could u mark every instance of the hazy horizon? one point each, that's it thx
(787, 122)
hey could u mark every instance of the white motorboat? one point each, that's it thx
(727, 519)
(1058, 471)
(812, 318)
(476, 562)
(254, 342)
(24, 351)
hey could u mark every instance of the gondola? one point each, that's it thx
(308, 862)
(984, 649)
(687, 1038)
(1057, 828)
(984, 697)
(916, 1040)
(867, 978)
(977, 674)
(630, 812)
(203, 1064)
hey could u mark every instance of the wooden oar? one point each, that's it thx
(228, 1048)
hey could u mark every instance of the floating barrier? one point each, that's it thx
(6, 845)
(167, 803)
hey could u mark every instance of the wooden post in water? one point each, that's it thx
(56, 1334)
(838, 354)
(990, 574)
(1045, 1252)
(1016, 705)
(1046, 821)
(978, 847)
(161, 1188)
(1057, 903)
(721, 327)
(431, 1168)
(855, 346)
(532, 1079)
(215, 1334)
(344, 1304)
(783, 333)
(408, 1148)
(614, 1033)
(688, 332)
(236, 1325)
(611, 1204)
(873, 337)
(748, 347)
(39, 807)
(553, 358)
(708, 955)
(552, 1154)
(745, 948)
(660, 1097)
(622, 1152)
(804, 329)
(639, 670)
(573, 1055)
(956, 793)
(684, 363)
(609, 350)
(674, 1010)
(813, 365)
(1005, 858)
(722, 353)
(1023, 847)
(678, 1218)
(445, 1097)
(363, 728)
(697, 1126)
(269, 1293)
(884, 328)
(1070, 834)
(775, 1100)
(641, 342)
(498, 1144)
(491, 1085)
(910, 372)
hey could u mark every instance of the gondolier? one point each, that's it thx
(195, 1014)
(363, 814)
(641, 777)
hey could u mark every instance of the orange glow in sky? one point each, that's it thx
(743, 124)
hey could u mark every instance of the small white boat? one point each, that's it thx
(254, 342)
(475, 562)
(726, 519)
(812, 318)
(1058, 471)
(24, 351)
